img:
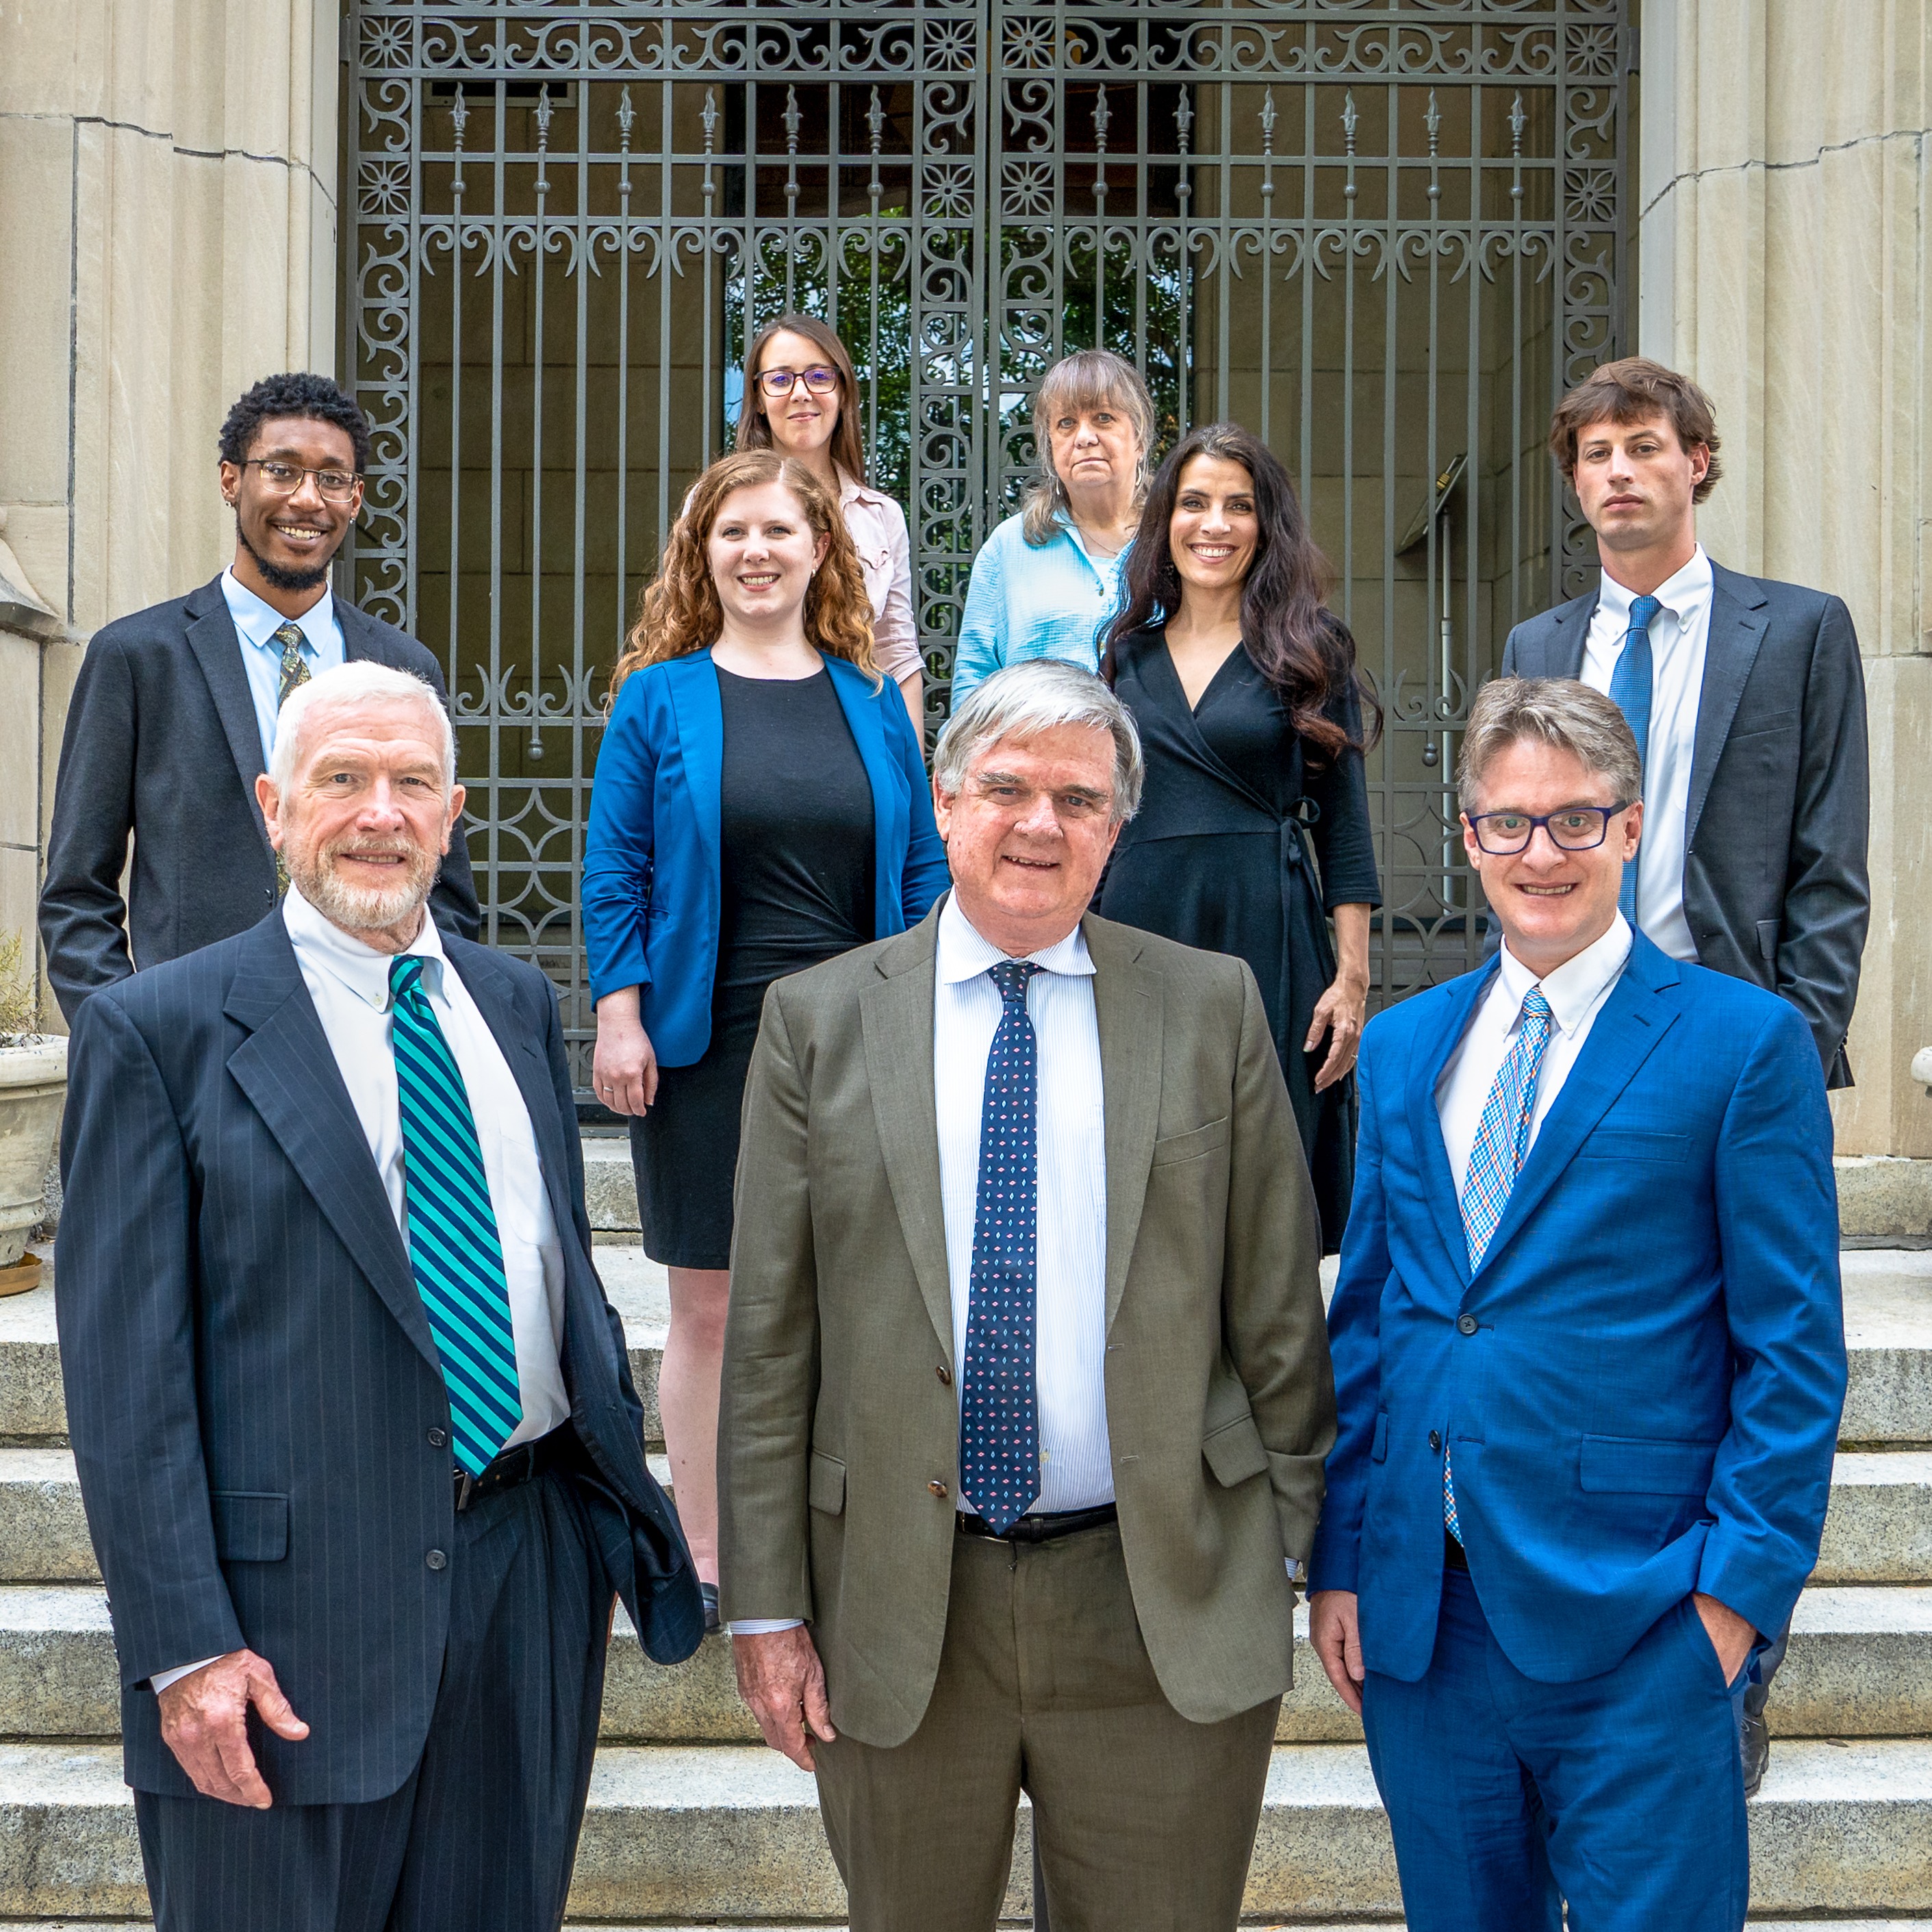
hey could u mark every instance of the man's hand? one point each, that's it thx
(205, 1723)
(782, 1680)
(1337, 1639)
(1731, 1635)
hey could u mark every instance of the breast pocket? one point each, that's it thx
(1632, 1143)
(1193, 1144)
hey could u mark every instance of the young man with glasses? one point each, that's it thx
(1747, 699)
(173, 715)
(1589, 1361)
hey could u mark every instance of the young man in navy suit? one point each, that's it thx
(1589, 1359)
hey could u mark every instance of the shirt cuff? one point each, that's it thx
(763, 1626)
(162, 1679)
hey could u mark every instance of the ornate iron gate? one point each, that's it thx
(1384, 233)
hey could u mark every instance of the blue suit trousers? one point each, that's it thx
(1621, 1793)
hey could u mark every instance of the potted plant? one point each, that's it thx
(33, 1083)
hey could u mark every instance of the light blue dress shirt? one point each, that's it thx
(1052, 602)
(255, 624)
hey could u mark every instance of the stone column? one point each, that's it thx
(167, 237)
(1783, 263)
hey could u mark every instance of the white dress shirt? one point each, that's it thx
(349, 984)
(255, 624)
(1679, 635)
(877, 528)
(1070, 1295)
(1575, 992)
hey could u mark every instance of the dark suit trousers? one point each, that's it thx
(1144, 1821)
(483, 1833)
(1621, 1794)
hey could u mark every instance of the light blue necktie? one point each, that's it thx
(1502, 1140)
(999, 1423)
(454, 1249)
(1629, 692)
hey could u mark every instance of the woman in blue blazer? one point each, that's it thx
(759, 805)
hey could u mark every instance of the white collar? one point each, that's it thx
(851, 491)
(1681, 593)
(963, 954)
(1575, 986)
(360, 968)
(256, 621)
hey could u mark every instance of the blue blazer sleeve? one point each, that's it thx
(924, 875)
(618, 847)
(1354, 1345)
(1777, 1224)
(982, 625)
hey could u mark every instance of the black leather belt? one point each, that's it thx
(1040, 1528)
(1454, 1556)
(527, 1459)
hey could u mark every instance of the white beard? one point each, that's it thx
(363, 908)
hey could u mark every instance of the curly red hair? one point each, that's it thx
(679, 612)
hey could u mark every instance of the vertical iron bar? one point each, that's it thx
(542, 187)
(459, 115)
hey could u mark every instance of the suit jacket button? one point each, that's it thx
(937, 1489)
(436, 1560)
(438, 1438)
(944, 1374)
(1465, 1325)
(1435, 1441)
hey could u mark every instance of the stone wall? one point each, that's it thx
(167, 236)
(1783, 263)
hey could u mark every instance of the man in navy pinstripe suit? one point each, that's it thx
(353, 1420)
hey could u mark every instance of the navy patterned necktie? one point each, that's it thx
(1629, 692)
(455, 1249)
(1000, 1411)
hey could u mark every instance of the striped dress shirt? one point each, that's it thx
(1070, 1333)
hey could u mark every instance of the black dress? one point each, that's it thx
(795, 821)
(1245, 839)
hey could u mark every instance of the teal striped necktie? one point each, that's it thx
(454, 1249)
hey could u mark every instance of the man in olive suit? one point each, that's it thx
(1026, 1392)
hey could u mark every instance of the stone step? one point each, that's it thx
(1887, 1334)
(732, 1833)
(1878, 1529)
(1860, 1666)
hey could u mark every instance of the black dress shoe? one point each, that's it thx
(1756, 1750)
(708, 1592)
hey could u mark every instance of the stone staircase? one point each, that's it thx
(692, 1821)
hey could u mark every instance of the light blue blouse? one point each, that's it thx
(1052, 602)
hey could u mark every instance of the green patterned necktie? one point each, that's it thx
(294, 675)
(454, 1249)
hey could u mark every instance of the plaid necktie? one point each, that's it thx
(1000, 1406)
(454, 1249)
(1629, 692)
(1502, 1140)
(294, 675)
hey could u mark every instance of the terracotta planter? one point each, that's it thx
(33, 1083)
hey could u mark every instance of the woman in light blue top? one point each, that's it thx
(1046, 582)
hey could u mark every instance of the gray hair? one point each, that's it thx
(1089, 379)
(1559, 711)
(1025, 700)
(360, 681)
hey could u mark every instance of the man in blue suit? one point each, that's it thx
(1589, 1359)
(353, 1420)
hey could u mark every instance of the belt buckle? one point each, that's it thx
(465, 1488)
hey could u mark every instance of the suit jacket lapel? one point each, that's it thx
(1569, 634)
(1129, 1004)
(895, 1014)
(360, 639)
(700, 738)
(1628, 1030)
(287, 1069)
(1425, 1124)
(217, 649)
(1738, 621)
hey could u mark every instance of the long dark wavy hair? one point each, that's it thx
(1297, 644)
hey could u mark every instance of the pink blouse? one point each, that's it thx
(878, 530)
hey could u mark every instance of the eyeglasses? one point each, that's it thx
(337, 486)
(819, 379)
(1577, 828)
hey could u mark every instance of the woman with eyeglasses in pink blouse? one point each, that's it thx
(801, 398)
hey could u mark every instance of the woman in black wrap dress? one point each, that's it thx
(1254, 831)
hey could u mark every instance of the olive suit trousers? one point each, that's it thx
(1143, 1822)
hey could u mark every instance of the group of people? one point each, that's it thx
(991, 1126)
